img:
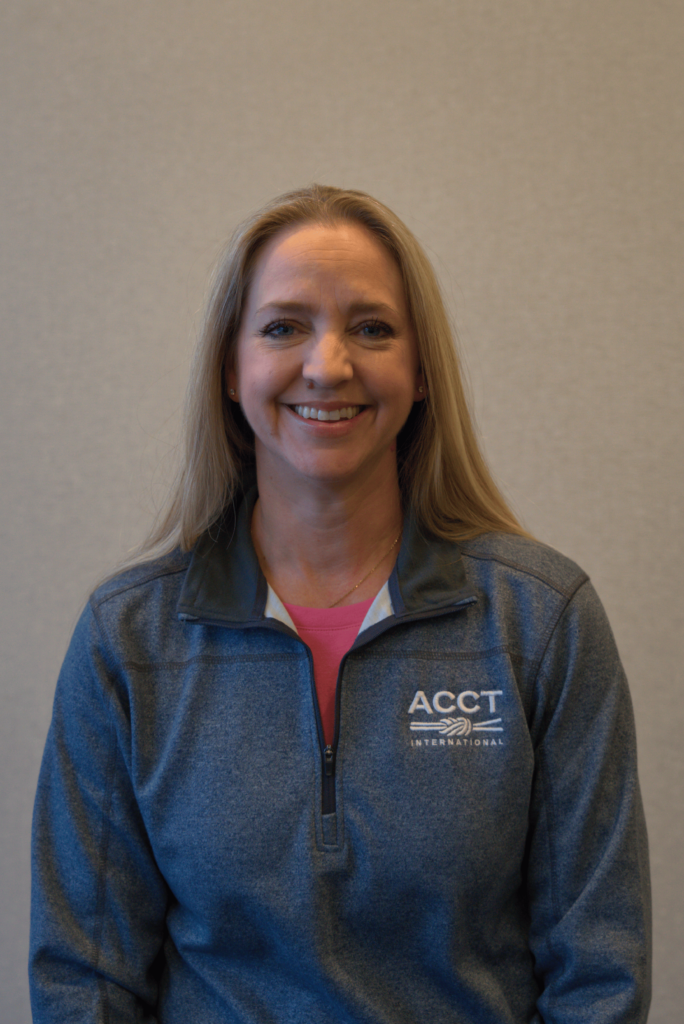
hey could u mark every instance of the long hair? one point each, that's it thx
(442, 474)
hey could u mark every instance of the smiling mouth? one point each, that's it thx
(307, 412)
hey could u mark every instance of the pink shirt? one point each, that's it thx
(329, 633)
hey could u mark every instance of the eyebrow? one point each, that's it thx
(290, 306)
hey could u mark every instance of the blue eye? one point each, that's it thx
(376, 329)
(278, 329)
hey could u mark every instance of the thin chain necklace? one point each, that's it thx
(368, 574)
(262, 559)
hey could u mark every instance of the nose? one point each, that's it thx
(327, 361)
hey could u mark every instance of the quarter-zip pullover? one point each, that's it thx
(470, 848)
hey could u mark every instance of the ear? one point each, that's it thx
(231, 384)
(421, 388)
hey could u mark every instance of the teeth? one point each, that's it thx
(308, 413)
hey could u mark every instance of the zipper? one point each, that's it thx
(328, 750)
(328, 796)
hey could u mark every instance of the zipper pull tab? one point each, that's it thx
(329, 761)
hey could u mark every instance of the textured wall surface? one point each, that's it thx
(535, 147)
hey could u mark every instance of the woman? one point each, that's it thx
(351, 747)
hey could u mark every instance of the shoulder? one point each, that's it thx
(140, 602)
(499, 557)
(530, 591)
(141, 576)
(155, 575)
(538, 598)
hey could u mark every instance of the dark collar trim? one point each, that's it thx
(224, 582)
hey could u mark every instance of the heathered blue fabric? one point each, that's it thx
(489, 869)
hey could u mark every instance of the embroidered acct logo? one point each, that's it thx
(449, 732)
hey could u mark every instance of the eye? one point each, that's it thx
(375, 329)
(278, 329)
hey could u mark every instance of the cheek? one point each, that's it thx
(403, 392)
(260, 383)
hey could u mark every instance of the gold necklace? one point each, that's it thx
(368, 574)
(264, 565)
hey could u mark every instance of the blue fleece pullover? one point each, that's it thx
(470, 849)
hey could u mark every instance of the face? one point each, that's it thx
(326, 366)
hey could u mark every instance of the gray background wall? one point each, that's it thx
(536, 148)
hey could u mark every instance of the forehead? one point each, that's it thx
(344, 256)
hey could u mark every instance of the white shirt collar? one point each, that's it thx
(380, 609)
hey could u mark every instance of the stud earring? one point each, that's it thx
(231, 391)
(421, 389)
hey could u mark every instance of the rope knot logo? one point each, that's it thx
(446, 726)
(449, 730)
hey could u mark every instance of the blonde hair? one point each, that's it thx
(442, 473)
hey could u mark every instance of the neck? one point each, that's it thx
(316, 545)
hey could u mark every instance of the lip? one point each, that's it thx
(339, 425)
(327, 406)
(330, 413)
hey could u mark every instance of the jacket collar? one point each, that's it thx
(224, 583)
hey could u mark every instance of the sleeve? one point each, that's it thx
(98, 900)
(588, 878)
